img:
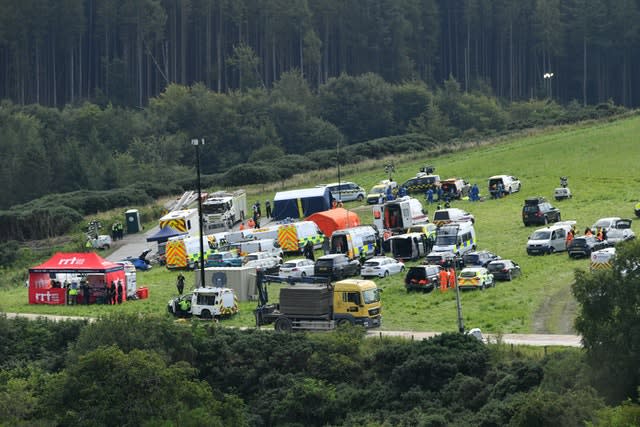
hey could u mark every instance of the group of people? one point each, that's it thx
(447, 279)
(497, 190)
(474, 193)
(117, 230)
(601, 233)
(254, 221)
(114, 292)
(81, 293)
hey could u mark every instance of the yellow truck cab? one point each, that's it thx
(357, 302)
(310, 304)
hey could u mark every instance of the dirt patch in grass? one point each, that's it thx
(556, 313)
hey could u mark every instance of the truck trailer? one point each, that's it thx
(316, 304)
(222, 209)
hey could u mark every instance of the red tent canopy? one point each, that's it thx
(95, 270)
(81, 262)
(334, 219)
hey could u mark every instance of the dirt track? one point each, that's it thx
(539, 340)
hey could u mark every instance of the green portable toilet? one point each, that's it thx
(132, 216)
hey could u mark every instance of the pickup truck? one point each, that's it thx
(224, 259)
(263, 261)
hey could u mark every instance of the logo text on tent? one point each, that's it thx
(71, 261)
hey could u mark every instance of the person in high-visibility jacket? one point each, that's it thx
(443, 278)
(452, 278)
(185, 305)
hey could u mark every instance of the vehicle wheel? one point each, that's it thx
(344, 322)
(559, 218)
(283, 324)
(552, 250)
(205, 314)
(482, 286)
(402, 269)
(509, 277)
(360, 197)
(303, 274)
(386, 273)
(546, 220)
(526, 224)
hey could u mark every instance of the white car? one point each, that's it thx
(381, 267)
(617, 229)
(301, 267)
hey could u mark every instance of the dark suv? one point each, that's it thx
(422, 278)
(336, 266)
(478, 258)
(537, 210)
(583, 246)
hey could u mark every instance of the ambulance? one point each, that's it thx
(292, 237)
(184, 251)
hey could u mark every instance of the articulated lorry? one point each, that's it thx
(315, 304)
(223, 209)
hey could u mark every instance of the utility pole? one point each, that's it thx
(458, 303)
(197, 143)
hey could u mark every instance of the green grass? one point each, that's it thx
(601, 162)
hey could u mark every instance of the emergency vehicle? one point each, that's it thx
(185, 220)
(184, 251)
(602, 259)
(399, 214)
(456, 237)
(206, 303)
(355, 242)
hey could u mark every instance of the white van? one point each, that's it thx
(455, 237)
(549, 239)
(355, 242)
(270, 246)
(445, 216)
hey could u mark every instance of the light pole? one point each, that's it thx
(338, 160)
(547, 78)
(197, 143)
(458, 303)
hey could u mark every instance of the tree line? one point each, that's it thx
(54, 53)
(134, 370)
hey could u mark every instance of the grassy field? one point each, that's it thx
(599, 159)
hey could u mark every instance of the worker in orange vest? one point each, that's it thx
(443, 279)
(452, 277)
(251, 223)
(569, 238)
(242, 226)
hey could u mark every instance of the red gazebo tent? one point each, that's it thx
(95, 270)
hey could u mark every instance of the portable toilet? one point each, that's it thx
(132, 217)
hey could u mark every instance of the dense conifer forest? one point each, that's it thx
(127, 51)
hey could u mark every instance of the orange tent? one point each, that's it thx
(334, 219)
